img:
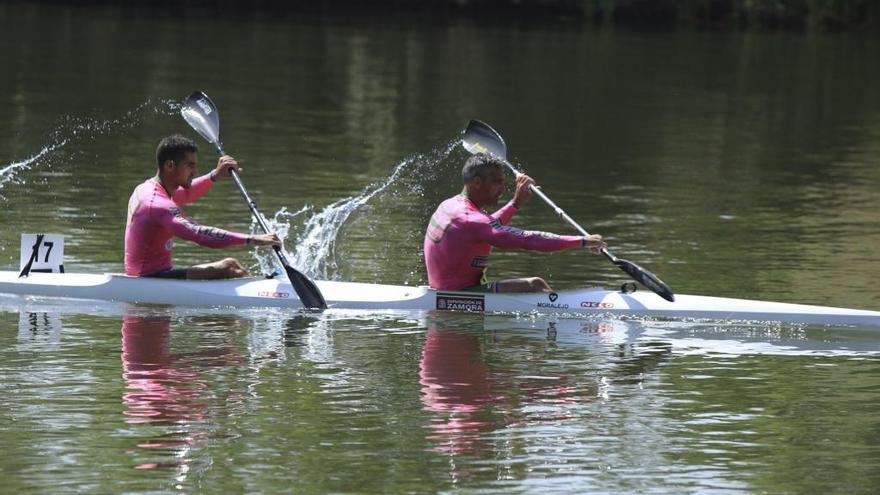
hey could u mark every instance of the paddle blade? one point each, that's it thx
(478, 137)
(308, 292)
(646, 278)
(200, 113)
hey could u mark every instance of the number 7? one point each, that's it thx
(48, 245)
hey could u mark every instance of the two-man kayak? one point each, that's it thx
(261, 292)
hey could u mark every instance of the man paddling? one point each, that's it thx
(155, 217)
(461, 234)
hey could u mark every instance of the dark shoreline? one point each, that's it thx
(796, 15)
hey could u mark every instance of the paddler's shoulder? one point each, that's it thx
(148, 185)
(151, 193)
(451, 205)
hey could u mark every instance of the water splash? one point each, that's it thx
(73, 130)
(315, 235)
(9, 173)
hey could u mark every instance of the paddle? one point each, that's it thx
(200, 113)
(480, 138)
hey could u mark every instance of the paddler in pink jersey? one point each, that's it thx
(155, 217)
(461, 234)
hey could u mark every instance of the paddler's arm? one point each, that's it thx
(505, 213)
(522, 195)
(201, 185)
(508, 237)
(264, 240)
(213, 237)
(180, 226)
(205, 235)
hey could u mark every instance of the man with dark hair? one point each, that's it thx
(155, 217)
(461, 234)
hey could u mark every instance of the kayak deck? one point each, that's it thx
(261, 292)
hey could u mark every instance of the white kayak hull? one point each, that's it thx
(261, 292)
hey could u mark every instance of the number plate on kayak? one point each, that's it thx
(42, 253)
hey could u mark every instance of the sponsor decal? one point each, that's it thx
(508, 228)
(194, 226)
(497, 225)
(597, 304)
(459, 302)
(213, 232)
(270, 293)
(553, 304)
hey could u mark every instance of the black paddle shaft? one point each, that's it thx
(561, 213)
(252, 205)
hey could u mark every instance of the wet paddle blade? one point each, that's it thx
(308, 292)
(200, 113)
(479, 137)
(646, 278)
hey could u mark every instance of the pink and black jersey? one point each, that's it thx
(460, 237)
(154, 219)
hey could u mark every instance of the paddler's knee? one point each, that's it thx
(225, 268)
(233, 268)
(526, 284)
(538, 284)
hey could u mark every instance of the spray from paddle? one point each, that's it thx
(316, 235)
(76, 130)
(9, 173)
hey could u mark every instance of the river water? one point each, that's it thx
(735, 164)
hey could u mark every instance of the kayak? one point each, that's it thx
(263, 292)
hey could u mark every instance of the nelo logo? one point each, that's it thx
(269, 293)
(553, 296)
(597, 304)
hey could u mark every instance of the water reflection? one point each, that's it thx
(160, 387)
(522, 394)
(489, 393)
(496, 404)
(39, 326)
(167, 389)
(456, 385)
